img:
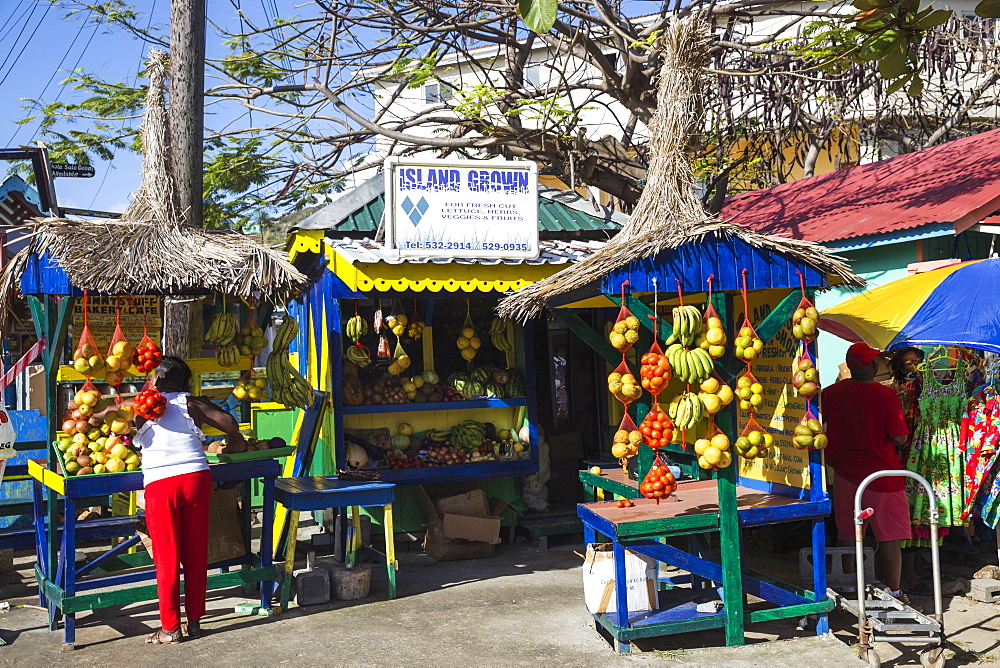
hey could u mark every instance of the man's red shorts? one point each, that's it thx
(891, 520)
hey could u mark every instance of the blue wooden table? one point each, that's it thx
(318, 493)
(60, 580)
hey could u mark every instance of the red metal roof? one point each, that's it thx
(957, 182)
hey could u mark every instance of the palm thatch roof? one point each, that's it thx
(150, 249)
(669, 213)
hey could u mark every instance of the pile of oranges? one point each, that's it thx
(657, 429)
(655, 372)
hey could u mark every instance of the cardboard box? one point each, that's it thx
(565, 447)
(467, 516)
(447, 548)
(472, 502)
(599, 580)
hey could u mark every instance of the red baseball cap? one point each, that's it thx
(861, 354)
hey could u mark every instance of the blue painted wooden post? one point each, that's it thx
(621, 594)
(68, 558)
(38, 507)
(818, 493)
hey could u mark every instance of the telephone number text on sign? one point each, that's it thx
(464, 245)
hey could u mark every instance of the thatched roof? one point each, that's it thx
(150, 249)
(669, 213)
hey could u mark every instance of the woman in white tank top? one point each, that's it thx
(178, 486)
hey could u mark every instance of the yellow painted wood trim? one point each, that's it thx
(199, 365)
(305, 241)
(50, 479)
(269, 406)
(212, 431)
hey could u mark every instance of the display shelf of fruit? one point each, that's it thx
(96, 439)
(712, 337)
(657, 428)
(689, 366)
(714, 394)
(747, 345)
(625, 443)
(271, 448)
(397, 461)
(809, 434)
(624, 333)
(624, 387)
(655, 372)
(805, 380)
(713, 452)
(686, 410)
(385, 391)
(87, 361)
(251, 389)
(445, 454)
(146, 357)
(755, 443)
(659, 483)
(750, 392)
(468, 343)
(804, 322)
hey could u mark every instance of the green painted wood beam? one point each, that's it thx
(612, 486)
(791, 611)
(661, 629)
(586, 333)
(665, 526)
(643, 313)
(779, 316)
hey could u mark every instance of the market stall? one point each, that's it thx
(95, 381)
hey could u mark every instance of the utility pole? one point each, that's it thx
(186, 115)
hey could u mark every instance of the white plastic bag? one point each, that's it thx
(7, 435)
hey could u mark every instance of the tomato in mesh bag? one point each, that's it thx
(659, 482)
(147, 355)
(626, 440)
(623, 385)
(713, 449)
(657, 428)
(150, 403)
(654, 370)
(754, 441)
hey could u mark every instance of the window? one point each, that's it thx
(532, 76)
(436, 92)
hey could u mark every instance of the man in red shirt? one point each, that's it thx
(865, 424)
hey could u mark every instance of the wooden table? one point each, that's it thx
(693, 511)
(60, 578)
(317, 493)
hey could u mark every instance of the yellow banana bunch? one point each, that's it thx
(288, 387)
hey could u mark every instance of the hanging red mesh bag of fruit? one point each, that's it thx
(147, 355)
(659, 482)
(805, 319)
(713, 331)
(150, 402)
(747, 345)
(749, 392)
(809, 433)
(625, 331)
(626, 440)
(805, 377)
(87, 359)
(754, 441)
(654, 370)
(119, 357)
(623, 385)
(657, 428)
(714, 450)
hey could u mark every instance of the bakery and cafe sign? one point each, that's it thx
(461, 208)
(102, 313)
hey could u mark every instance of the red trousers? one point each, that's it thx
(177, 517)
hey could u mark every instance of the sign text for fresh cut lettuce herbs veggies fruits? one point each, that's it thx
(462, 208)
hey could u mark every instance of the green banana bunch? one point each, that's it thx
(439, 435)
(356, 328)
(223, 328)
(689, 366)
(500, 335)
(687, 323)
(686, 410)
(358, 355)
(468, 434)
(288, 387)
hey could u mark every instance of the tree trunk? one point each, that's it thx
(186, 113)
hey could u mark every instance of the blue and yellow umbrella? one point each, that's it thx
(957, 305)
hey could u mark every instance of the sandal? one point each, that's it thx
(162, 637)
(192, 629)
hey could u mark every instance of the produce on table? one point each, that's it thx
(400, 363)
(251, 389)
(804, 322)
(713, 452)
(659, 483)
(689, 366)
(748, 345)
(468, 343)
(714, 395)
(147, 356)
(754, 443)
(87, 361)
(624, 333)
(150, 404)
(387, 391)
(686, 326)
(806, 379)
(809, 434)
(655, 371)
(624, 503)
(595, 470)
(404, 428)
(398, 461)
(657, 428)
(288, 387)
(356, 456)
(625, 443)
(686, 410)
(712, 337)
(624, 386)
(117, 363)
(356, 328)
(250, 340)
(750, 392)
(82, 455)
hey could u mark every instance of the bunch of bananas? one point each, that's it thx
(357, 327)
(438, 435)
(686, 410)
(689, 366)
(687, 325)
(223, 328)
(227, 355)
(288, 387)
(468, 434)
(502, 338)
(359, 355)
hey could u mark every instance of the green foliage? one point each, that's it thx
(415, 71)
(538, 15)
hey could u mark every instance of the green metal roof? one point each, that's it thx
(560, 212)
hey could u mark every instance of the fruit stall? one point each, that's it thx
(712, 366)
(429, 385)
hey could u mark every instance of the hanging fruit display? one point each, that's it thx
(686, 410)
(689, 366)
(147, 356)
(86, 360)
(713, 452)
(468, 343)
(809, 434)
(686, 325)
(356, 328)
(625, 442)
(714, 394)
(150, 404)
(250, 340)
(659, 482)
(804, 322)
(223, 328)
(750, 392)
(712, 337)
(397, 324)
(117, 363)
(748, 345)
(359, 355)
(805, 380)
(754, 442)
(624, 333)
(624, 387)
(502, 338)
(655, 371)
(657, 428)
(288, 387)
(252, 388)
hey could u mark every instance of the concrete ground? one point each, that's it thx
(523, 607)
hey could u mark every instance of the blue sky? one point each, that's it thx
(40, 46)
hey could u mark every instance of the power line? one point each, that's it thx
(21, 52)
(12, 22)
